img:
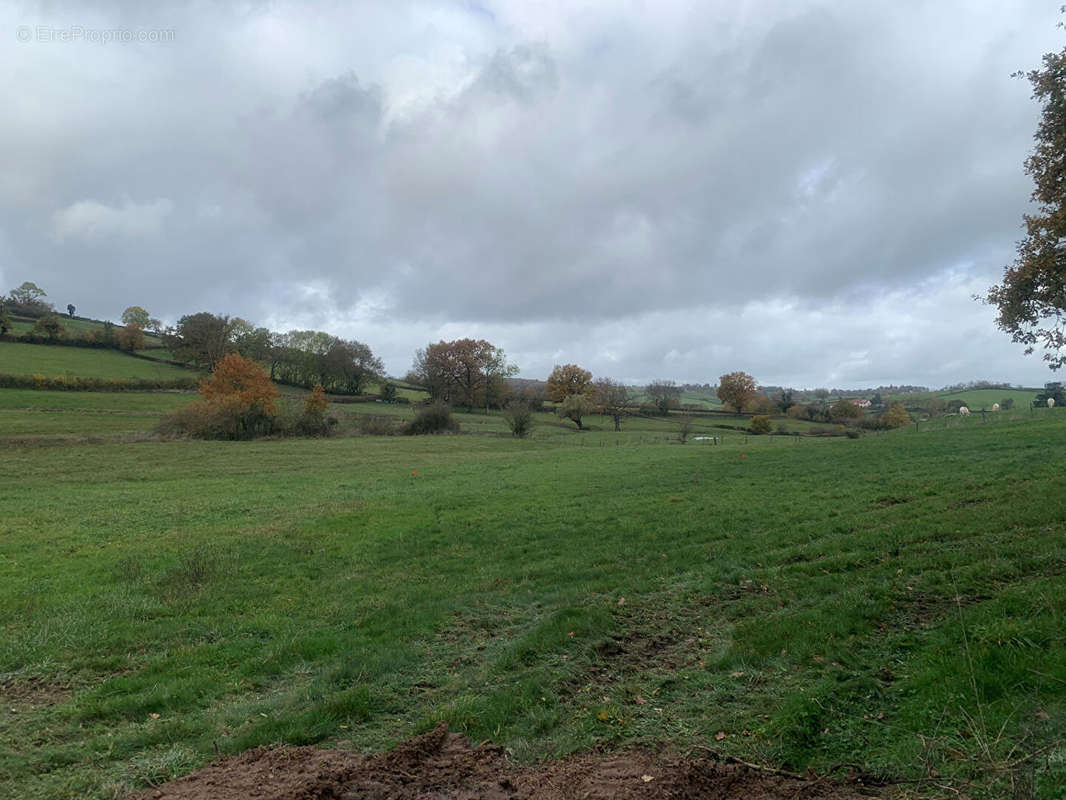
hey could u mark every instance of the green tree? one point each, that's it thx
(574, 407)
(48, 327)
(1052, 391)
(1031, 301)
(5, 320)
(735, 389)
(135, 315)
(844, 411)
(200, 339)
(70, 310)
(27, 294)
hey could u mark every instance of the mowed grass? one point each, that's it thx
(897, 601)
(50, 416)
(83, 362)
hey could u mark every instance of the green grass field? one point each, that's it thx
(897, 601)
(83, 362)
(49, 417)
(976, 399)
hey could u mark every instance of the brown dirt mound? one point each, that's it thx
(444, 766)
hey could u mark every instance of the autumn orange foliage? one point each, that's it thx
(316, 403)
(240, 383)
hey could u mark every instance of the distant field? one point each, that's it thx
(51, 361)
(703, 399)
(976, 399)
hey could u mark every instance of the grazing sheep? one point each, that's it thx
(995, 406)
(1051, 402)
(964, 411)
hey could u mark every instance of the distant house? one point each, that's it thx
(861, 402)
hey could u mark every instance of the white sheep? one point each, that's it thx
(995, 406)
(964, 411)
(1051, 402)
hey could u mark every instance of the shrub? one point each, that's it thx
(896, 416)
(48, 327)
(377, 425)
(212, 420)
(130, 338)
(759, 404)
(436, 418)
(798, 412)
(388, 393)
(314, 421)
(760, 424)
(851, 433)
(519, 418)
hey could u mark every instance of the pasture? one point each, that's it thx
(77, 326)
(975, 399)
(896, 601)
(17, 358)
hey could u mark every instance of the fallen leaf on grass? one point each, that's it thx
(640, 701)
(720, 735)
(647, 778)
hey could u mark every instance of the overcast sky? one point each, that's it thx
(811, 192)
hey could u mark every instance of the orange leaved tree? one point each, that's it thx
(243, 383)
(238, 403)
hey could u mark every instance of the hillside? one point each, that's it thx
(17, 358)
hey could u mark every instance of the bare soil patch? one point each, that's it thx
(32, 692)
(444, 766)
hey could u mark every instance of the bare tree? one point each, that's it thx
(614, 399)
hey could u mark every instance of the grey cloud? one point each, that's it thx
(622, 189)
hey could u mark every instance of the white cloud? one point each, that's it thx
(91, 220)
